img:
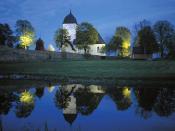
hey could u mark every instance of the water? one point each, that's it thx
(78, 107)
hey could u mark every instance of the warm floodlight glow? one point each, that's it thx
(26, 97)
(126, 92)
(126, 45)
(26, 40)
(125, 48)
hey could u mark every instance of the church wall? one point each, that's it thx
(94, 50)
(71, 28)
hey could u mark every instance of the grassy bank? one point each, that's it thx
(94, 69)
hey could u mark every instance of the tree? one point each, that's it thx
(114, 44)
(146, 40)
(121, 41)
(39, 44)
(86, 36)
(140, 25)
(6, 35)
(62, 38)
(121, 97)
(137, 27)
(165, 103)
(25, 33)
(164, 31)
(171, 46)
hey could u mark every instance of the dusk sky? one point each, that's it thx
(47, 15)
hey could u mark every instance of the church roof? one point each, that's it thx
(70, 19)
(100, 40)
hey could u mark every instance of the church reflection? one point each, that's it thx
(75, 99)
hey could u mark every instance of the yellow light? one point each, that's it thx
(126, 92)
(126, 45)
(26, 97)
(26, 39)
(125, 48)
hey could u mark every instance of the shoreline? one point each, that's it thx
(121, 81)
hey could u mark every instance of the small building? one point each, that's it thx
(139, 53)
(70, 24)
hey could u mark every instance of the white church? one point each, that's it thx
(70, 24)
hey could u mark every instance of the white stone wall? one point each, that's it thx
(94, 50)
(71, 28)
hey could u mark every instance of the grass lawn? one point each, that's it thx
(94, 68)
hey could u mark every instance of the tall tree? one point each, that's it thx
(86, 36)
(121, 40)
(39, 44)
(146, 39)
(6, 35)
(137, 27)
(164, 30)
(25, 33)
(114, 44)
(62, 38)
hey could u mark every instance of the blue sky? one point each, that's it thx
(47, 15)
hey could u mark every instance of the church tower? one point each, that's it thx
(70, 24)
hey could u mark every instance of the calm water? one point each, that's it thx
(77, 107)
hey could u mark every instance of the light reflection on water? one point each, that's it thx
(87, 107)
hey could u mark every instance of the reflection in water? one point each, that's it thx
(165, 103)
(74, 100)
(39, 92)
(159, 100)
(6, 99)
(25, 105)
(121, 97)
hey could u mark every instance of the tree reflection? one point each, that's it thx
(165, 102)
(121, 97)
(6, 99)
(87, 101)
(25, 105)
(62, 97)
(146, 98)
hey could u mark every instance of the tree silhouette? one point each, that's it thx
(164, 32)
(146, 98)
(6, 99)
(146, 40)
(121, 100)
(6, 35)
(165, 104)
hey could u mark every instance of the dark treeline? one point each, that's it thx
(156, 38)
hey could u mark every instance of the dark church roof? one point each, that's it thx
(100, 40)
(69, 19)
